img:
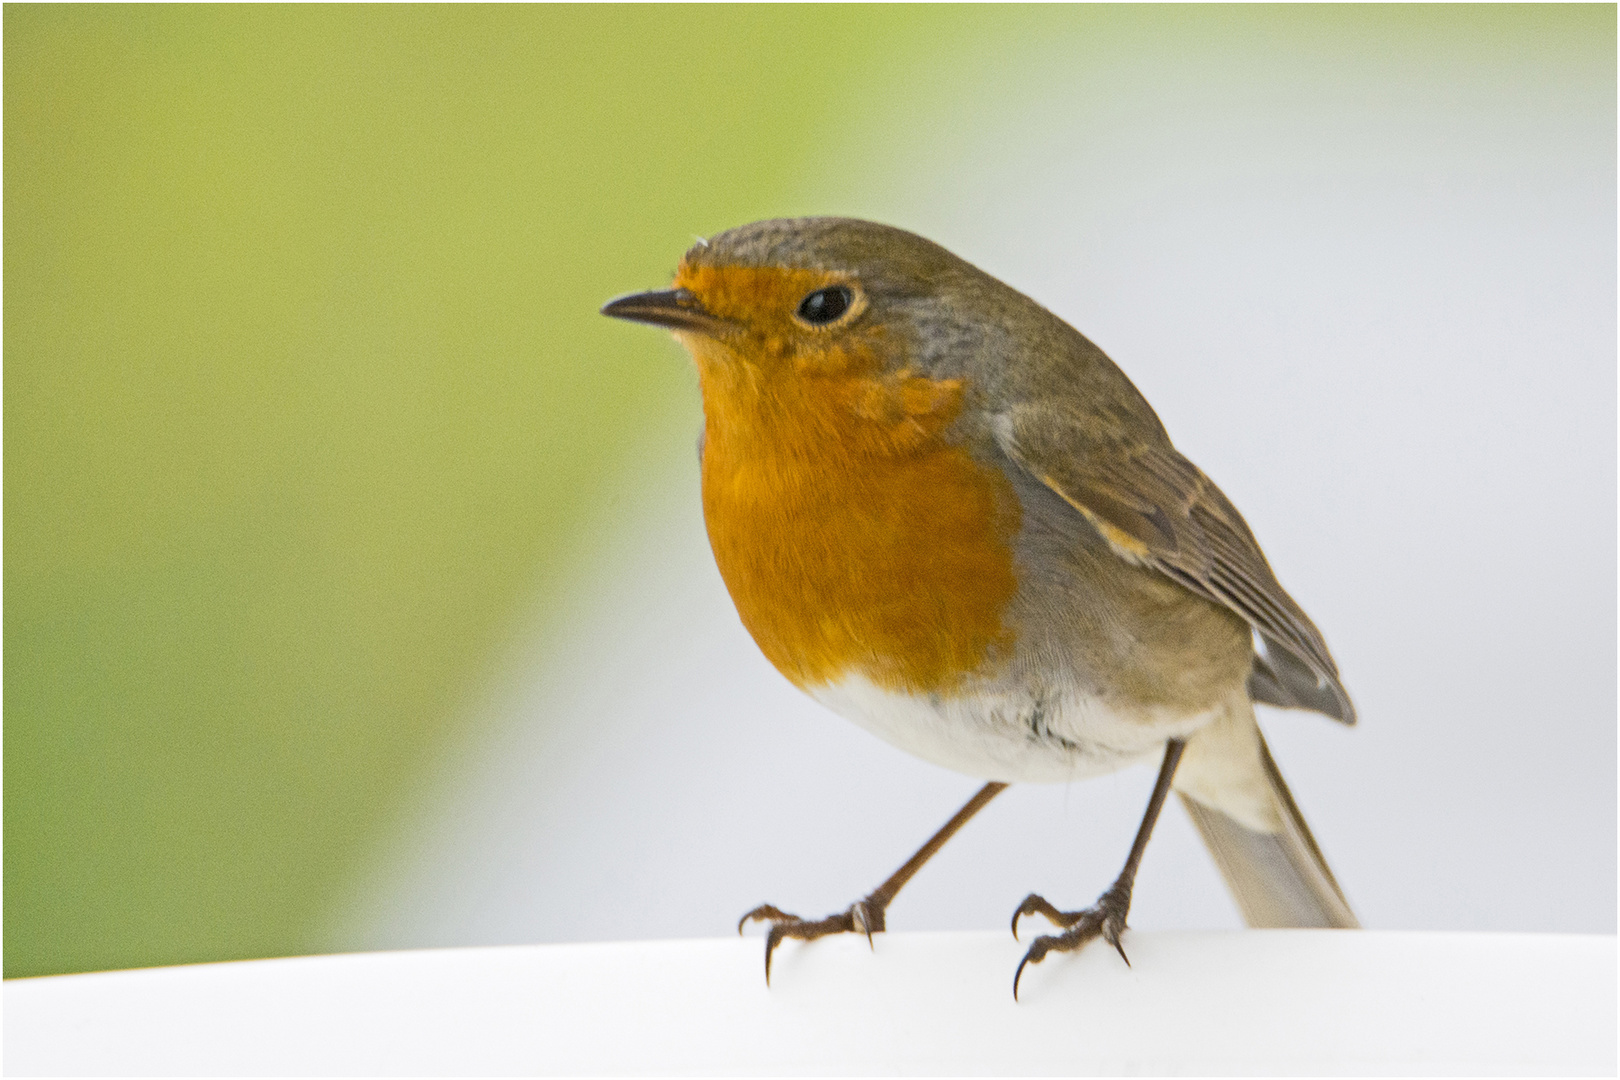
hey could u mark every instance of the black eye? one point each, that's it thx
(825, 305)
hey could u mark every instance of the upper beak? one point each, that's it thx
(677, 309)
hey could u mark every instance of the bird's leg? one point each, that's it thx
(864, 916)
(1106, 919)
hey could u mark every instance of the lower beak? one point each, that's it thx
(677, 309)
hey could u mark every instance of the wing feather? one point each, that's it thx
(1156, 508)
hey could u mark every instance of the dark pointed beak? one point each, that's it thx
(677, 309)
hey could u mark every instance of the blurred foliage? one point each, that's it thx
(305, 392)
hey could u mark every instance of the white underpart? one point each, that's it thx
(1010, 735)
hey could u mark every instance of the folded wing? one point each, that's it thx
(1156, 508)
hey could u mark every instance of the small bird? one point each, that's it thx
(949, 517)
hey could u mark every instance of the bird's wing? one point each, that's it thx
(1157, 509)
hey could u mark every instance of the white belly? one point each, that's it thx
(1010, 735)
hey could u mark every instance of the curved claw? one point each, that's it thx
(1030, 905)
(1113, 939)
(861, 921)
(772, 940)
(1036, 953)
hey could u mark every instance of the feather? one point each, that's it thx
(1156, 508)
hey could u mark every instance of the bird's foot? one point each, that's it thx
(862, 917)
(1105, 920)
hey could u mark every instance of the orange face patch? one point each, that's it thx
(853, 538)
(759, 302)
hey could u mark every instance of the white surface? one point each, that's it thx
(1255, 1002)
(1368, 280)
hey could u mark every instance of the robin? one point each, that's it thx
(949, 517)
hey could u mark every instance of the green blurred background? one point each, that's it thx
(307, 398)
(306, 393)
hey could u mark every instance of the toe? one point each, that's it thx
(1035, 904)
(767, 913)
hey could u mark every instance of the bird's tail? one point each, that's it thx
(1234, 794)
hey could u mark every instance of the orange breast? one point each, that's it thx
(851, 537)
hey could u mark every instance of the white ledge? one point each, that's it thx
(1239, 1002)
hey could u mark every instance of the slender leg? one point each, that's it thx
(864, 916)
(1107, 918)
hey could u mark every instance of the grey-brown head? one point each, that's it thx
(803, 283)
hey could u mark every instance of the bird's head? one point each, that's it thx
(812, 296)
